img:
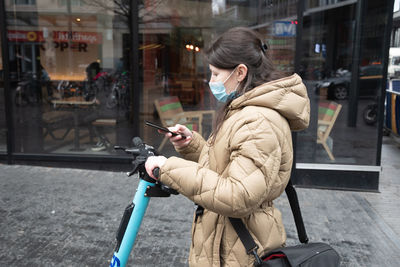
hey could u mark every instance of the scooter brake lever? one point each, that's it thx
(168, 189)
(135, 166)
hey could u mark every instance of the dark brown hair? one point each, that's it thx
(236, 46)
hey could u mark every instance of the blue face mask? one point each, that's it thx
(219, 91)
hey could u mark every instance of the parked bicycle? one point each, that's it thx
(68, 89)
(27, 90)
(119, 95)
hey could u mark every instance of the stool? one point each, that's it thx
(104, 122)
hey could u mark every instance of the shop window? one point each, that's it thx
(70, 80)
(73, 2)
(24, 2)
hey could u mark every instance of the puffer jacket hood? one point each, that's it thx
(288, 96)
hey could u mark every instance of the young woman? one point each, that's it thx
(246, 162)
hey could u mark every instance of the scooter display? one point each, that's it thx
(135, 211)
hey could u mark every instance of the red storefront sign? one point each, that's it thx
(25, 36)
(58, 36)
(77, 37)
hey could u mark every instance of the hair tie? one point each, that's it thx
(264, 47)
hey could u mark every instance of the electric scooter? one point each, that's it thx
(148, 187)
(134, 212)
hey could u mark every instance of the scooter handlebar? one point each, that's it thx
(156, 172)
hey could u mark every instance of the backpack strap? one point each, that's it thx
(248, 241)
(295, 207)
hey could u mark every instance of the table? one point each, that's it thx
(76, 102)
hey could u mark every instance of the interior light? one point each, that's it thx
(78, 19)
(191, 47)
(197, 49)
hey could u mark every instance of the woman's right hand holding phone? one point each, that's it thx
(177, 140)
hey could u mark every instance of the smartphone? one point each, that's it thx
(164, 129)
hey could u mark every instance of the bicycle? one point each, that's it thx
(134, 212)
(67, 89)
(119, 95)
(26, 91)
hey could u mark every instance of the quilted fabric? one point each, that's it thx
(240, 175)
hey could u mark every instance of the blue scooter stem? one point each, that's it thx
(140, 201)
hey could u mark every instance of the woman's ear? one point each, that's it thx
(242, 72)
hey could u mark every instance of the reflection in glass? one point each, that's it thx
(326, 68)
(70, 63)
(69, 76)
(174, 35)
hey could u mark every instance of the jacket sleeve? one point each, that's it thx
(251, 177)
(193, 150)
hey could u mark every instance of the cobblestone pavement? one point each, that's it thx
(69, 217)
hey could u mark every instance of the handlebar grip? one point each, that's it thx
(156, 172)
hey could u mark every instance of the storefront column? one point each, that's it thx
(355, 67)
(297, 62)
(382, 93)
(6, 81)
(134, 68)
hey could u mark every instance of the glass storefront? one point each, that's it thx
(69, 64)
(74, 91)
(69, 76)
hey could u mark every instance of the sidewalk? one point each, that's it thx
(69, 217)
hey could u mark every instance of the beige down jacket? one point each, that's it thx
(242, 173)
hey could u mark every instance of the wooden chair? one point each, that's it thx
(171, 112)
(327, 114)
(57, 120)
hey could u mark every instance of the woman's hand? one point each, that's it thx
(152, 163)
(177, 140)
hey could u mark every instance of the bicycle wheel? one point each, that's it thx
(112, 100)
(20, 98)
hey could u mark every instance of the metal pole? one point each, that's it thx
(382, 93)
(6, 81)
(297, 61)
(135, 89)
(354, 85)
(299, 35)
